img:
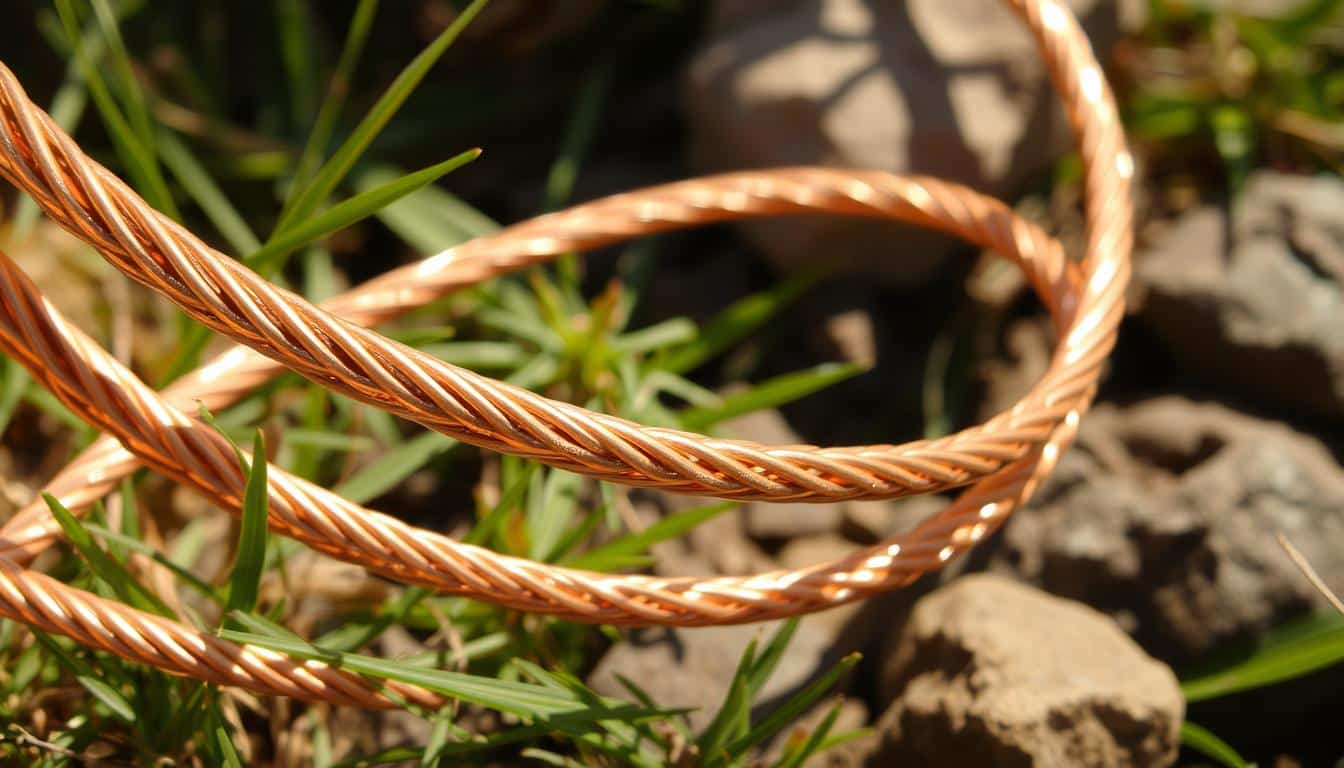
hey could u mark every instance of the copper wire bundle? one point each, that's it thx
(1002, 461)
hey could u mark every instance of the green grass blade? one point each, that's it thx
(258, 624)
(793, 708)
(736, 323)
(296, 53)
(137, 157)
(618, 552)
(771, 394)
(213, 203)
(733, 713)
(529, 328)
(328, 441)
(132, 97)
(321, 739)
(1272, 664)
(389, 756)
(354, 635)
(509, 500)
(15, 381)
(578, 534)
(578, 136)
(429, 220)
(228, 752)
(306, 201)
(678, 330)
(88, 680)
(104, 567)
(553, 514)
(438, 739)
(245, 580)
(337, 88)
(347, 212)
(522, 699)
(396, 465)
(141, 547)
(769, 658)
(109, 696)
(480, 354)
(1203, 741)
(795, 757)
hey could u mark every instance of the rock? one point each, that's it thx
(693, 668)
(801, 553)
(1254, 302)
(851, 332)
(1028, 344)
(872, 521)
(1165, 515)
(724, 542)
(990, 672)
(789, 520)
(950, 88)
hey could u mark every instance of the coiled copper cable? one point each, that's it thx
(1005, 458)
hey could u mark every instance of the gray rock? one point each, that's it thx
(694, 667)
(1165, 515)
(991, 672)
(872, 521)
(951, 88)
(1255, 302)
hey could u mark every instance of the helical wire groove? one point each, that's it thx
(998, 463)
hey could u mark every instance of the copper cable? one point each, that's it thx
(149, 247)
(1005, 458)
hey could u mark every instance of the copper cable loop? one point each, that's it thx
(1002, 460)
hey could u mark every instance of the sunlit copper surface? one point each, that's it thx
(1002, 461)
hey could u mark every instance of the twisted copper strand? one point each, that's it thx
(100, 390)
(98, 207)
(237, 371)
(978, 510)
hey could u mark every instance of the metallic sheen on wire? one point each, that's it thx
(1002, 460)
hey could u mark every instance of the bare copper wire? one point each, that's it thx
(1006, 457)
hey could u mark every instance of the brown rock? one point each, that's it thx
(989, 672)
(951, 88)
(1165, 515)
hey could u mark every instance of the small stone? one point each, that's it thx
(853, 335)
(790, 520)
(872, 521)
(812, 550)
(990, 672)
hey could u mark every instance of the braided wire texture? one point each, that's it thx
(1004, 459)
(98, 207)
